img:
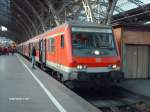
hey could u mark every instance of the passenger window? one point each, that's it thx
(51, 45)
(62, 41)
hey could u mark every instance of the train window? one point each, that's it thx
(51, 45)
(85, 43)
(62, 41)
(35, 45)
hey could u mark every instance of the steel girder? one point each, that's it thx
(26, 16)
(45, 16)
(23, 25)
(16, 15)
(97, 10)
(53, 11)
(17, 34)
(36, 14)
(20, 23)
(14, 19)
(137, 2)
(88, 10)
(103, 14)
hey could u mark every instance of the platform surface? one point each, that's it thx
(139, 86)
(26, 90)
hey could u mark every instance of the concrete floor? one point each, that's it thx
(20, 92)
(139, 86)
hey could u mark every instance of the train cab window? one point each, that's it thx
(62, 41)
(86, 42)
(51, 45)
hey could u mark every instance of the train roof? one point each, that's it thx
(72, 24)
(79, 24)
(87, 24)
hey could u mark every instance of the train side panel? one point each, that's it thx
(59, 56)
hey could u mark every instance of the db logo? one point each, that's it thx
(98, 60)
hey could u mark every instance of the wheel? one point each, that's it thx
(54, 75)
(59, 77)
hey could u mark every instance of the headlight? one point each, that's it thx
(114, 66)
(81, 67)
(96, 52)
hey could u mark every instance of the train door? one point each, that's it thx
(29, 50)
(60, 46)
(42, 51)
(58, 51)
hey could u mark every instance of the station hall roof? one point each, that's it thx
(27, 18)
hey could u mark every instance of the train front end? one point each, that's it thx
(95, 55)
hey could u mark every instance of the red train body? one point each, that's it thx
(77, 51)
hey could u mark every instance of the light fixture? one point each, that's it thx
(146, 23)
(3, 28)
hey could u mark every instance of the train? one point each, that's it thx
(77, 51)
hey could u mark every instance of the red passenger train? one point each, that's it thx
(78, 51)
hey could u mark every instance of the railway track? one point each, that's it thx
(115, 99)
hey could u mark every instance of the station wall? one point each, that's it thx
(134, 47)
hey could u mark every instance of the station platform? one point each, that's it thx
(138, 86)
(31, 90)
